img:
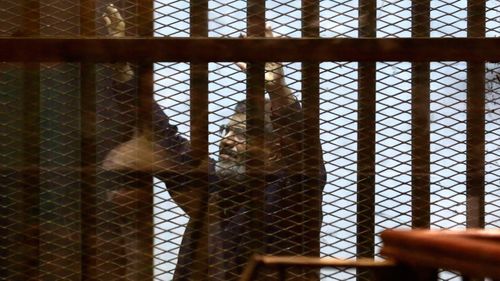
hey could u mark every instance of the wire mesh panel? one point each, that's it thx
(393, 182)
(491, 167)
(12, 135)
(448, 148)
(338, 131)
(145, 169)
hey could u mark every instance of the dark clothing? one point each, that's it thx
(286, 227)
(221, 220)
(220, 233)
(122, 251)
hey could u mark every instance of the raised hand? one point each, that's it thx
(275, 79)
(116, 28)
(114, 21)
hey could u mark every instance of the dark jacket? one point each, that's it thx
(223, 228)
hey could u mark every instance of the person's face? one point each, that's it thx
(233, 147)
(233, 143)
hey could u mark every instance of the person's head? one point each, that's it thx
(233, 146)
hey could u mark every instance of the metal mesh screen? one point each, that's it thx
(112, 171)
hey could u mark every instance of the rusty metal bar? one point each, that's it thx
(199, 140)
(311, 192)
(145, 69)
(311, 145)
(366, 140)
(144, 198)
(365, 233)
(475, 161)
(31, 172)
(250, 49)
(30, 236)
(145, 93)
(420, 122)
(88, 149)
(255, 129)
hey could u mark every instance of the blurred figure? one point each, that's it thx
(128, 154)
(215, 242)
(292, 204)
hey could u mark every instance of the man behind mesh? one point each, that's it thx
(292, 204)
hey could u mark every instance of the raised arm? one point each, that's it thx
(281, 96)
(286, 116)
(164, 146)
(116, 28)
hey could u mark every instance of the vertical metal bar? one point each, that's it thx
(366, 141)
(12, 208)
(145, 91)
(10, 155)
(420, 122)
(145, 87)
(199, 138)
(60, 254)
(88, 148)
(282, 273)
(31, 168)
(311, 146)
(475, 120)
(29, 251)
(255, 165)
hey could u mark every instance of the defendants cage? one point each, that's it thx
(117, 121)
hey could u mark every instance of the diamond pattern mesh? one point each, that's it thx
(67, 214)
(11, 147)
(394, 19)
(448, 130)
(492, 216)
(59, 188)
(393, 190)
(492, 164)
(338, 131)
(448, 18)
(338, 18)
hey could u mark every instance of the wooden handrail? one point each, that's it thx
(282, 262)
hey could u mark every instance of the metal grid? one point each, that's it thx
(384, 160)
